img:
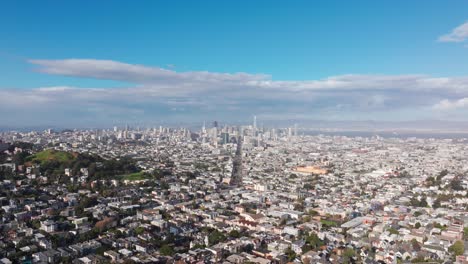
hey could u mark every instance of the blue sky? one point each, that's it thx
(351, 60)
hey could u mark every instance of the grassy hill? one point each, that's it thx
(51, 155)
(54, 162)
(137, 176)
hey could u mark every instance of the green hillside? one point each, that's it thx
(137, 176)
(51, 155)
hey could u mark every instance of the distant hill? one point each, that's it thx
(52, 155)
(54, 162)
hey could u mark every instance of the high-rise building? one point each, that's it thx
(225, 137)
(254, 128)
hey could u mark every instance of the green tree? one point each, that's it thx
(418, 259)
(348, 255)
(197, 246)
(441, 175)
(139, 230)
(457, 248)
(393, 231)
(423, 202)
(290, 254)
(436, 204)
(166, 250)
(216, 237)
(314, 241)
(20, 157)
(313, 212)
(417, 213)
(234, 234)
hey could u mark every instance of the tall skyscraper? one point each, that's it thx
(254, 129)
(225, 137)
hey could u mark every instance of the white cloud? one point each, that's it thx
(458, 34)
(168, 82)
(153, 92)
(451, 104)
(113, 70)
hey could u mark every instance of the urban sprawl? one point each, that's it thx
(230, 194)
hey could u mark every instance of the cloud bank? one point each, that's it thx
(452, 104)
(458, 34)
(153, 94)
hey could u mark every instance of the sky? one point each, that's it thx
(105, 63)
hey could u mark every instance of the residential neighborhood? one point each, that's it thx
(231, 194)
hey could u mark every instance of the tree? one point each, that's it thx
(441, 175)
(348, 255)
(417, 225)
(20, 157)
(299, 206)
(418, 259)
(418, 203)
(313, 212)
(415, 245)
(291, 255)
(139, 230)
(234, 234)
(197, 246)
(393, 231)
(65, 260)
(457, 248)
(423, 202)
(215, 237)
(417, 213)
(166, 250)
(438, 225)
(283, 221)
(314, 241)
(248, 248)
(455, 184)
